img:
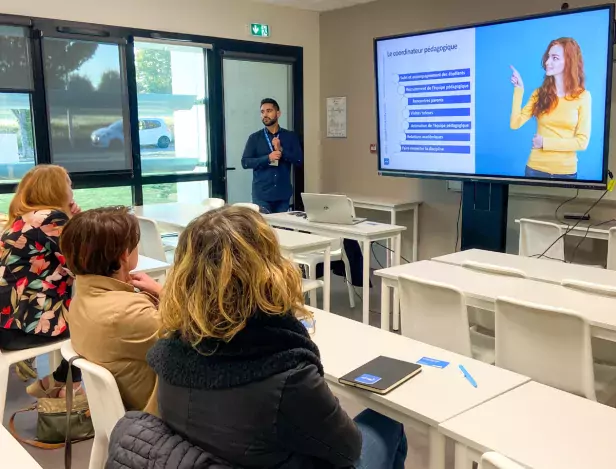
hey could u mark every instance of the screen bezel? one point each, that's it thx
(521, 180)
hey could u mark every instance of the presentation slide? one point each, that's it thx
(520, 99)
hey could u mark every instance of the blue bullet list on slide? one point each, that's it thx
(440, 125)
(439, 87)
(438, 75)
(428, 142)
(456, 99)
(440, 137)
(455, 112)
(435, 149)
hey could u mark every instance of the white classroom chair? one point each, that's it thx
(337, 254)
(611, 249)
(254, 207)
(493, 460)
(213, 203)
(311, 261)
(482, 317)
(603, 351)
(104, 400)
(436, 314)
(151, 244)
(9, 358)
(551, 346)
(536, 236)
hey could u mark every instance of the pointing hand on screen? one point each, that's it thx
(516, 78)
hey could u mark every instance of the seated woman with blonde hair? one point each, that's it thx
(35, 285)
(111, 324)
(238, 373)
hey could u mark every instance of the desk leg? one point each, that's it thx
(462, 460)
(390, 244)
(385, 292)
(397, 241)
(437, 449)
(327, 279)
(416, 233)
(366, 287)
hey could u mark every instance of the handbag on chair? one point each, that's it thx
(57, 427)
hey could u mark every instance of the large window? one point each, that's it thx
(87, 113)
(17, 148)
(135, 116)
(171, 92)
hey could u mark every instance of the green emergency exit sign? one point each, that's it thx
(259, 30)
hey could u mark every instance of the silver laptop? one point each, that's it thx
(329, 208)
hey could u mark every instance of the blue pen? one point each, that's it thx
(468, 376)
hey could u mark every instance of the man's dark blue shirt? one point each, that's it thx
(272, 183)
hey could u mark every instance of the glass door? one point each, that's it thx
(246, 81)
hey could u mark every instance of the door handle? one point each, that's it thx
(231, 169)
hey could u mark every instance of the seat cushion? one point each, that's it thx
(605, 383)
(482, 346)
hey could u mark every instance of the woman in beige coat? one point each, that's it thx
(112, 324)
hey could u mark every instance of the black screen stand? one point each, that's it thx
(484, 216)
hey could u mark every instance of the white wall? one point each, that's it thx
(219, 18)
(347, 69)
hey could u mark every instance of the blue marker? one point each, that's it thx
(468, 376)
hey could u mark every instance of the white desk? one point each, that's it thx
(295, 243)
(430, 398)
(176, 215)
(595, 232)
(393, 207)
(541, 270)
(13, 454)
(539, 427)
(148, 265)
(482, 289)
(364, 233)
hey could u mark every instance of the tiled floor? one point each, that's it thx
(26, 424)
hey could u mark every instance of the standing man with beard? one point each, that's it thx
(270, 153)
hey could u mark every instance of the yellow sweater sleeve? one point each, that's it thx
(582, 132)
(520, 115)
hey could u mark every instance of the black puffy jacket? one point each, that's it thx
(141, 440)
(259, 401)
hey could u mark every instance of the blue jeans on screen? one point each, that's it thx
(384, 444)
(533, 173)
(277, 206)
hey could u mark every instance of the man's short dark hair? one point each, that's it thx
(271, 101)
(94, 241)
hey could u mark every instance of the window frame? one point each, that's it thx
(214, 106)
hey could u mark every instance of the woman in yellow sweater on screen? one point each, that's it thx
(562, 107)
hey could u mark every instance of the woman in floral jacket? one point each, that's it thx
(35, 285)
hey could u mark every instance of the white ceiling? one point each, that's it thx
(316, 5)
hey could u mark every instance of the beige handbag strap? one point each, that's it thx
(28, 441)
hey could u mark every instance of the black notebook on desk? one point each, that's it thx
(381, 375)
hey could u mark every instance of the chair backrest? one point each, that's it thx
(536, 236)
(213, 203)
(588, 287)
(550, 345)
(497, 461)
(435, 314)
(611, 249)
(494, 269)
(151, 244)
(254, 207)
(104, 397)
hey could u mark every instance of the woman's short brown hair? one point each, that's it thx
(228, 266)
(93, 241)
